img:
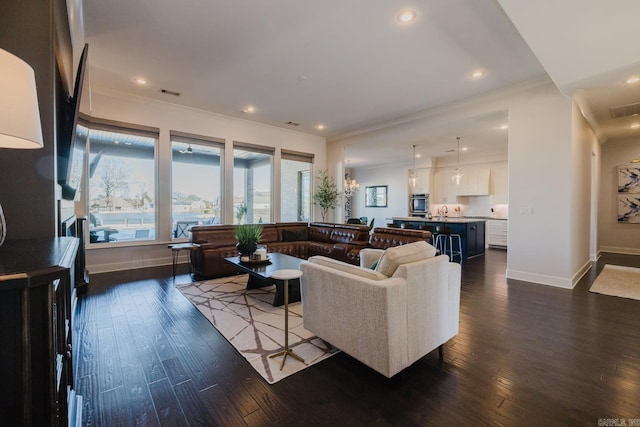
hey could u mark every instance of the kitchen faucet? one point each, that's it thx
(443, 211)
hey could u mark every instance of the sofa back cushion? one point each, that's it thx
(383, 238)
(216, 235)
(347, 268)
(320, 232)
(403, 254)
(269, 234)
(349, 233)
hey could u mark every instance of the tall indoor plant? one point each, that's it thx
(327, 194)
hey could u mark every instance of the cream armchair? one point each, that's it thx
(386, 321)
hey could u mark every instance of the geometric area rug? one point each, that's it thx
(249, 321)
(618, 281)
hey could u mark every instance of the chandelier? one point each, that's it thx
(350, 185)
(413, 175)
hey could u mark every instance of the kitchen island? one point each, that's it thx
(471, 230)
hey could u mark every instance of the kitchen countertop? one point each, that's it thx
(461, 219)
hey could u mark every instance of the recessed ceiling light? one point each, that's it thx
(633, 79)
(464, 148)
(141, 81)
(407, 16)
(504, 126)
(249, 109)
(635, 126)
(320, 126)
(116, 142)
(477, 74)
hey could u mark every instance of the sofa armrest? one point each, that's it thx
(368, 256)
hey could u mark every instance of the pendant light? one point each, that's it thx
(457, 176)
(413, 176)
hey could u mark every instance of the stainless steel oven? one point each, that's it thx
(418, 204)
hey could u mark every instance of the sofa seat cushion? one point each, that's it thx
(403, 254)
(347, 268)
(320, 248)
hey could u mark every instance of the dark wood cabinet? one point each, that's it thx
(471, 231)
(475, 239)
(36, 300)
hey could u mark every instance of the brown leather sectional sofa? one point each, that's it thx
(299, 239)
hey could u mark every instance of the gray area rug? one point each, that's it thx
(618, 281)
(249, 321)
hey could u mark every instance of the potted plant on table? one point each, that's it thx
(248, 237)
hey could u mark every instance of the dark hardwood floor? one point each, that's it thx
(526, 355)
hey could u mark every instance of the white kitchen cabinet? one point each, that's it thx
(497, 230)
(500, 184)
(444, 189)
(423, 182)
(475, 181)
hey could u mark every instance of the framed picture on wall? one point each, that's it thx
(629, 179)
(375, 196)
(629, 208)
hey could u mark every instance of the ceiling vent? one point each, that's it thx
(293, 124)
(625, 111)
(170, 92)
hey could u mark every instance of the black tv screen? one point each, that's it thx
(72, 141)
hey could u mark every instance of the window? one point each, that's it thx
(295, 198)
(252, 183)
(122, 184)
(195, 180)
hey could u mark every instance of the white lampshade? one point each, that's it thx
(19, 113)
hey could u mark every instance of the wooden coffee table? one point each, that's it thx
(260, 275)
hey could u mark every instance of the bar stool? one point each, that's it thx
(286, 275)
(445, 243)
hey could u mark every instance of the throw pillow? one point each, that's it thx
(403, 254)
(375, 264)
(294, 235)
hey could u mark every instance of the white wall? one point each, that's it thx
(584, 146)
(614, 236)
(541, 175)
(396, 179)
(166, 116)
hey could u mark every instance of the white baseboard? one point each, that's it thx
(617, 250)
(542, 279)
(559, 282)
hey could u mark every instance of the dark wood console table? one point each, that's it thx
(36, 361)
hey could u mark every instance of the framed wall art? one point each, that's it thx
(375, 196)
(629, 194)
(629, 178)
(629, 208)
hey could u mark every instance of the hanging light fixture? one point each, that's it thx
(413, 175)
(350, 185)
(457, 176)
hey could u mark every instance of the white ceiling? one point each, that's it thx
(347, 64)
